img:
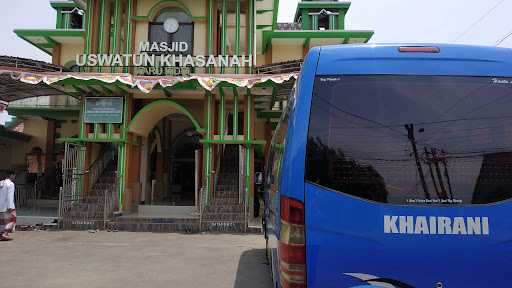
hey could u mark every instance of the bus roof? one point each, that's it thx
(452, 59)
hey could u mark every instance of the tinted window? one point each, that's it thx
(412, 139)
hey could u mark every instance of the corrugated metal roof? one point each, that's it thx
(12, 89)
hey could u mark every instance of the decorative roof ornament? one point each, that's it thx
(75, 10)
(324, 12)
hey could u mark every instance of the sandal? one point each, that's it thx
(5, 238)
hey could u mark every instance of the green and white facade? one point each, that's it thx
(171, 139)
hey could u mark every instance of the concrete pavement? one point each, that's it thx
(123, 259)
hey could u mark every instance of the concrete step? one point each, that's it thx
(230, 217)
(225, 201)
(226, 197)
(155, 224)
(227, 187)
(224, 227)
(225, 209)
(230, 192)
(172, 211)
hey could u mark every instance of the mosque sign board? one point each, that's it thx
(163, 59)
(103, 110)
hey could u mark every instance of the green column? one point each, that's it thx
(248, 138)
(224, 32)
(332, 22)
(82, 152)
(96, 130)
(222, 113)
(207, 166)
(235, 113)
(59, 25)
(120, 174)
(121, 156)
(65, 20)
(237, 33)
(250, 40)
(115, 36)
(110, 130)
(306, 21)
(128, 33)
(275, 13)
(314, 22)
(82, 119)
(341, 20)
(89, 27)
(80, 169)
(210, 31)
(101, 28)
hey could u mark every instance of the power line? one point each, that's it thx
(504, 38)
(360, 117)
(479, 20)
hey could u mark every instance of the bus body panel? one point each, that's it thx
(385, 59)
(298, 130)
(345, 240)
(294, 153)
(352, 239)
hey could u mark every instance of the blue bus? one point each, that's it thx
(391, 166)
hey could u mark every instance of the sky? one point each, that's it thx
(413, 21)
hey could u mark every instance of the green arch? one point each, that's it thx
(158, 6)
(152, 113)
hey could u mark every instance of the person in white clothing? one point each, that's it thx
(7, 208)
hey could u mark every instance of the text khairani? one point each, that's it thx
(434, 225)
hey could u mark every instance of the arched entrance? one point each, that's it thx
(146, 119)
(170, 154)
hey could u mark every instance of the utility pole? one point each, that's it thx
(429, 162)
(445, 164)
(439, 176)
(410, 136)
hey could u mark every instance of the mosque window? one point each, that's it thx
(324, 20)
(172, 26)
(72, 18)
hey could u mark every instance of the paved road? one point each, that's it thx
(123, 259)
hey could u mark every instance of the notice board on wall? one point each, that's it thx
(103, 110)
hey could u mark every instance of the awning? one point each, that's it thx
(64, 81)
(11, 88)
(48, 112)
(269, 89)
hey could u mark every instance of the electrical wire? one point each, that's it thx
(498, 43)
(332, 105)
(478, 20)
